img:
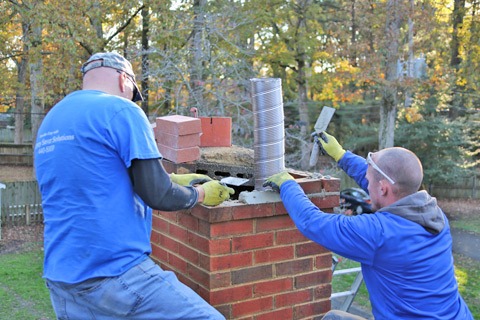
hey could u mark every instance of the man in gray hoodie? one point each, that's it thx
(405, 247)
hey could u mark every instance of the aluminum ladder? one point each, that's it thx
(349, 294)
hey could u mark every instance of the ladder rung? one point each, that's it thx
(347, 271)
(341, 294)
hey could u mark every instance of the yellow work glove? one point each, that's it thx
(216, 192)
(275, 181)
(331, 146)
(189, 179)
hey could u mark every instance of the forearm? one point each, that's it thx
(355, 167)
(352, 237)
(152, 183)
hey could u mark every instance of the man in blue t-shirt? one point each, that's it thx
(405, 247)
(100, 173)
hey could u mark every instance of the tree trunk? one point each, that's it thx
(456, 104)
(353, 33)
(145, 62)
(36, 81)
(196, 72)
(303, 113)
(20, 95)
(388, 108)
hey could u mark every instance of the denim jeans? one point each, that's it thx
(143, 292)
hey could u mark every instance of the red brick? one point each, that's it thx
(323, 261)
(331, 185)
(293, 298)
(179, 155)
(178, 233)
(327, 203)
(232, 294)
(311, 309)
(178, 125)
(280, 209)
(277, 314)
(313, 279)
(177, 263)
(231, 261)
(188, 222)
(231, 228)
(252, 306)
(309, 249)
(219, 246)
(289, 237)
(250, 242)
(158, 223)
(159, 253)
(322, 291)
(155, 236)
(253, 211)
(179, 142)
(294, 267)
(310, 186)
(168, 215)
(169, 243)
(220, 280)
(213, 214)
(274, 254)
(216, 132)
(198, 242)
(273, 287)
(274, 223)
(252, 274)
(198, 275)
(188, 253)
(226, 310)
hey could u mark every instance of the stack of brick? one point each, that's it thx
(249, 261)
(178, 138)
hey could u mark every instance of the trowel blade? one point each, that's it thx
(324, 119)
(234, 181)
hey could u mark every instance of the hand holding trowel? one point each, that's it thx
(320, 126)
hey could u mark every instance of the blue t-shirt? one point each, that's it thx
(95, 225)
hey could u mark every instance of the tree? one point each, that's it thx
(290, 36)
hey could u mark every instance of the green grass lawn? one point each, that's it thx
(467, 272)
(23, 295)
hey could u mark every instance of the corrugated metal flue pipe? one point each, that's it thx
(269, 132)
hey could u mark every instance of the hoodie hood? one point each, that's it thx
(420, 208)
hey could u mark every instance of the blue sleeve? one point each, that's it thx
(354, 237)
(133, 136)
(356, 168)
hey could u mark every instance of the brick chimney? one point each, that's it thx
(249, 261)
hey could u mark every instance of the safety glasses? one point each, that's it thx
(374, 165)
(137, 96)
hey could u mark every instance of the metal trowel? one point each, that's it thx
(234, 181)
(320, 126)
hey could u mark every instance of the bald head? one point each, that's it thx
(403, 166)
(108, 80)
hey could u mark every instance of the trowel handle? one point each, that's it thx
(315, 150)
